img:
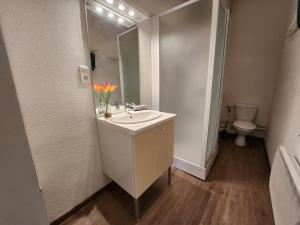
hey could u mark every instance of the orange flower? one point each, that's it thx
(113, 88)
(97, 87)
(106, 89)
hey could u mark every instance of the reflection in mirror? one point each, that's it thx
(114, 53)
(129, 66)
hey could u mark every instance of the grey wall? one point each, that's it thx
(257, 31)
(46, 44)
(21, 200)
(284, 118)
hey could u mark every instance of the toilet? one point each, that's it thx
(244, 125)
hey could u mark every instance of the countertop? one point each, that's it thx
(136, 128)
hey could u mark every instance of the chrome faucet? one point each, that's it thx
(129, 108)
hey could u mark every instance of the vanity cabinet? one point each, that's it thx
(135, 156)
(152, 154)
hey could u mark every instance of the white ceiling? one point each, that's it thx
(154, 7)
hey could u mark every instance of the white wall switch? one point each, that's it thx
(85, 74)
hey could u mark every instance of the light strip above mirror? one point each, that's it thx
(117, 10)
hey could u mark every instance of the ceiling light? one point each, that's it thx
(99, 9)
(110, 1)
(121, 20)
(111, 15)
(121, 7)
(131, 13)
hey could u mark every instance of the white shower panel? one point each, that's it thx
(184, 45)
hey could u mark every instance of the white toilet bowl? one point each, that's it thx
(243, 128)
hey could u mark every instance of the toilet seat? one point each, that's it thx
(244, 125)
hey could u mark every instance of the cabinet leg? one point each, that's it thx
(137, 209)
(169, 175)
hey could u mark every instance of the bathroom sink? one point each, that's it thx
(136, 117)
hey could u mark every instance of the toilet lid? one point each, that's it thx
(245, 125)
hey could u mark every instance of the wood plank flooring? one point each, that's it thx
(236, 193)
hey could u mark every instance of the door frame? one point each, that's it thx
(226, 38)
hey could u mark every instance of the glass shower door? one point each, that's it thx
(213, 129)
(184, 40)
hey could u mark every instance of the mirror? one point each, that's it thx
(114, 54)
(129, 66)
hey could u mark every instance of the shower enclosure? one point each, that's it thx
(191, 41)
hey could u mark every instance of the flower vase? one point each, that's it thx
(107, 112)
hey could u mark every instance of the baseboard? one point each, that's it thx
(194, 169)
(189, 167)
(259, 132)
(211, 162)
(78, 207)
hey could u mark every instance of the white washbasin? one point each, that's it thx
(136, 117)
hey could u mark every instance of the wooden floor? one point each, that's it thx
(236, 193)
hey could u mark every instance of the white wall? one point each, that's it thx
(21, 200)
(46, 44)
(284, 127)
(257, 30)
